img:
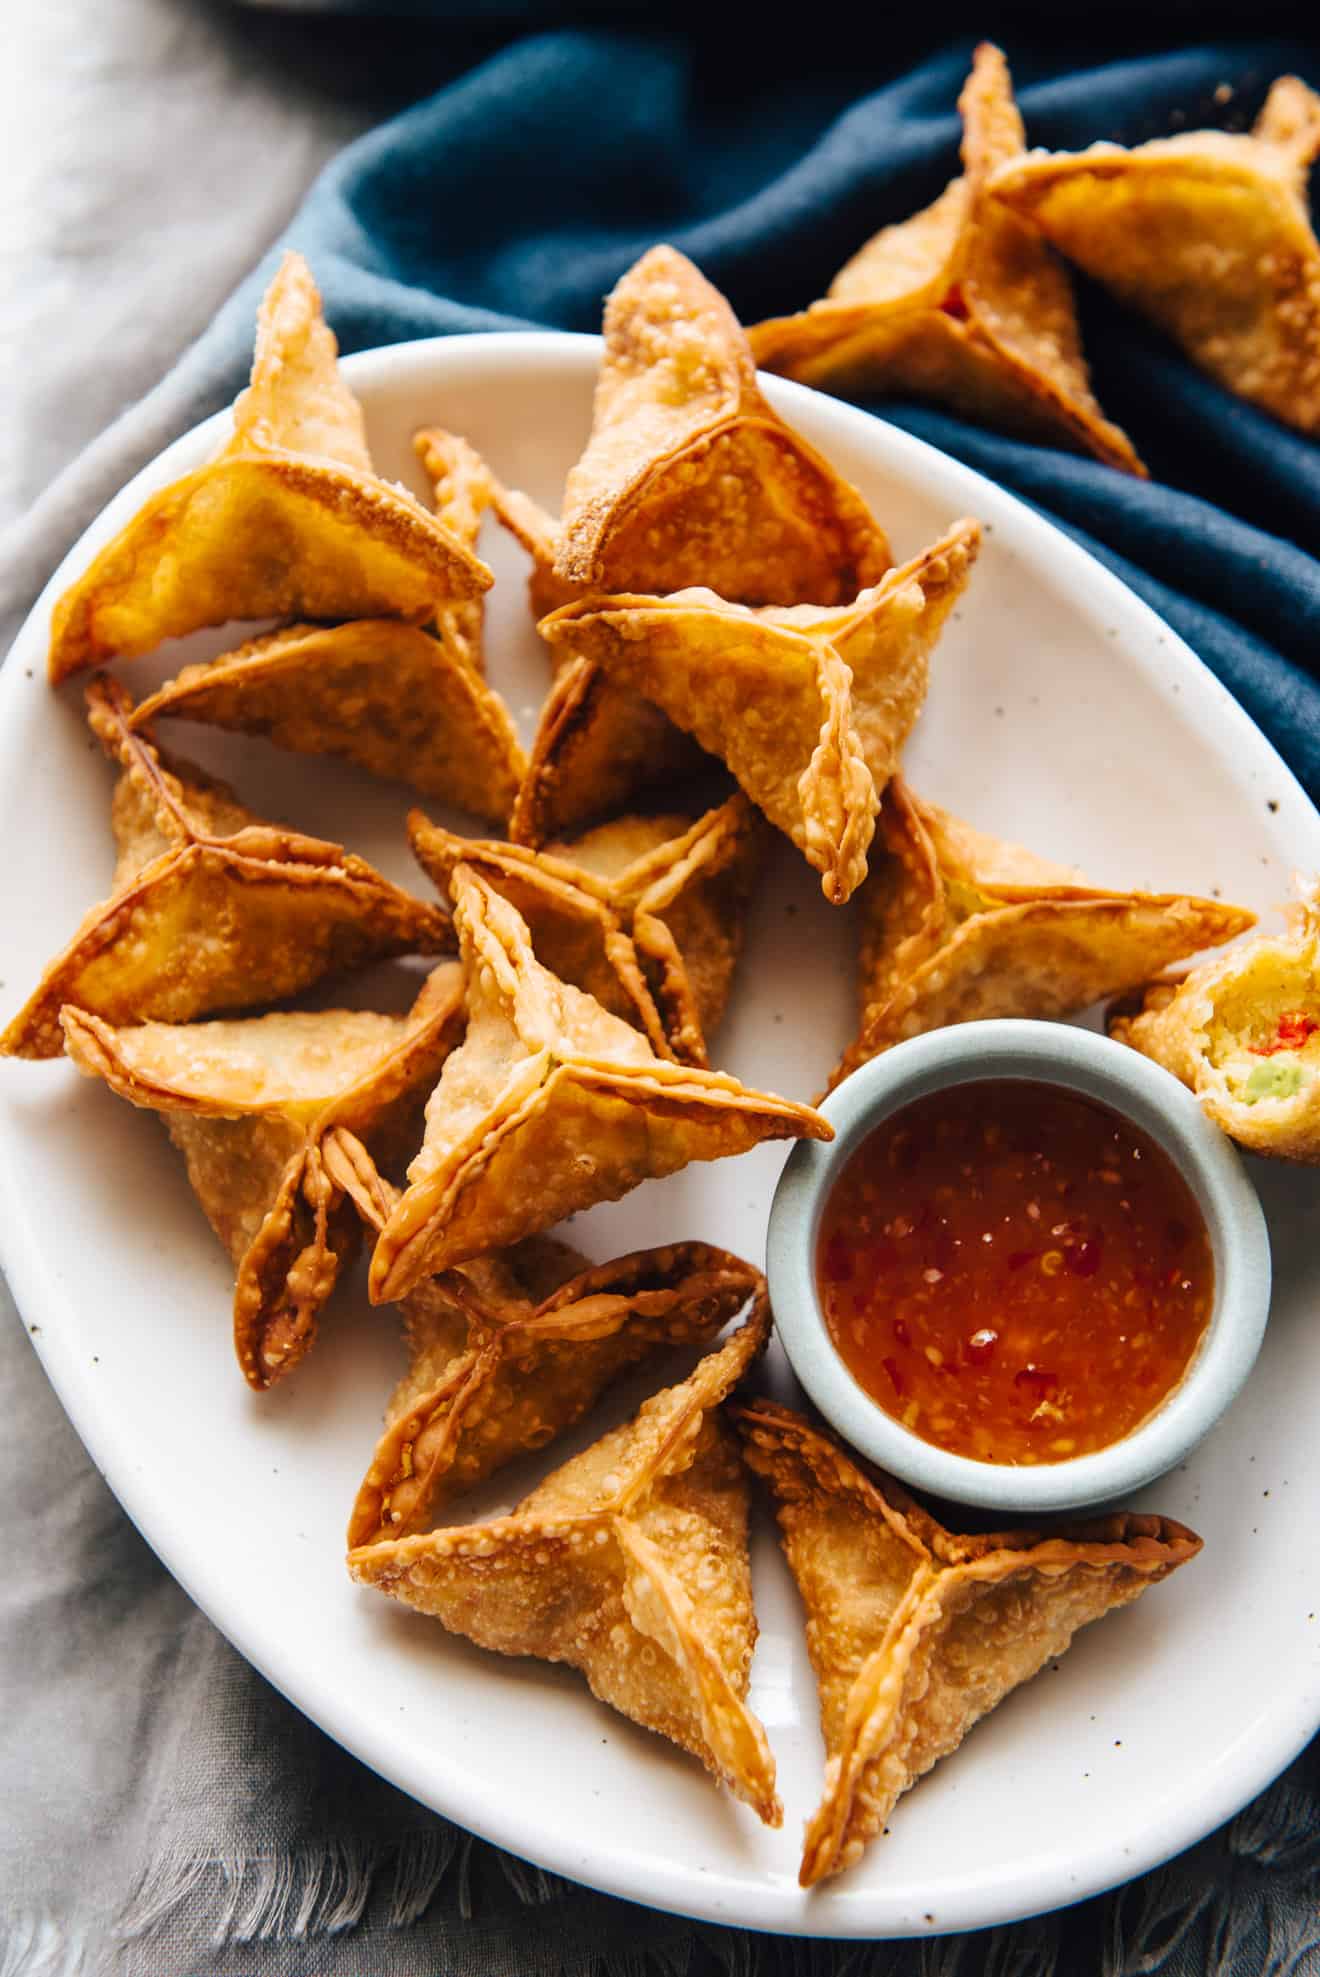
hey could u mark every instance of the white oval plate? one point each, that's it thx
(1062, 712)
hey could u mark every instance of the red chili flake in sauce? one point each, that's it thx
(955, 305)
(1290, 1032)
(1061, 1332)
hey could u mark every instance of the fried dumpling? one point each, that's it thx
(463, 489)
(394, 698)
(249, 1103)
(550, 1105)
(1242, 1031)
(510, 1350)
(211, 909)
(915, 1632)
(808, 707)
(538, 533)
(958, 925)
(630, 1564)
(689, 477)
(645, 913)
(1209, 235)
(963, 304)
(400, 700)
(599, 747)
(289, 520)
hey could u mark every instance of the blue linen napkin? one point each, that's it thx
(518, 194)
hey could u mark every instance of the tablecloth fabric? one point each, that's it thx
(162, 1809)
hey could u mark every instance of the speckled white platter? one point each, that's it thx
(1061, 712)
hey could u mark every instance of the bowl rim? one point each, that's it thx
(1149, 1097)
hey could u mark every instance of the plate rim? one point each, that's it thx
(850, 1912)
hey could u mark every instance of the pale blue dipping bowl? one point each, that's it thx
(1130, 1084)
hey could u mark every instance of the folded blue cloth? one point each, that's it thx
(521, 193)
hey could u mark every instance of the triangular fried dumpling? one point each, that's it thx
(464, 488)
(404, 702)
(958, 925)
(630, 1564)
(570, 917)
(550, 1105)
(288, 521)
(212, 908)
(689, 477)
(508, 1351)
(1208, 234)
(598, 747)
(809, 708)
(249, 1103)
(645, 913)
(684, 893)
(962, 304)
(1242, 1031)
(538, 533)
(393, 698)
(916, 1632)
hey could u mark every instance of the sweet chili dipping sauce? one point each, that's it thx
(1014, 1272)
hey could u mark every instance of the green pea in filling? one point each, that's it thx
(1277, 1077)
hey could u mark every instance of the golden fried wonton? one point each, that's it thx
(1243, 1032)
(963, 304)
(211, 908)
(289, 520)
(598, 747)
(551, 1104)
(689, 477)
(808, 707)
(630, 1564)
(958, 925)
(391, 697)
(645, 913)
(249, 1103)
(916, 1632)
(464, 489)
(510, 1350)
(1208, 234)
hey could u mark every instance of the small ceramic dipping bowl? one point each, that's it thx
(1129, 1084)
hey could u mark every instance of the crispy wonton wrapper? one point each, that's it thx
(391, 697)
(599, 748)
(689, 477)
(550, 1105)
(958, 925)
(1243, 1033)
(916, 1632)
(403, 702)
(808, 707)
(646, 913)
(630, 1564)
(1208, 234)
(464, 488)
(510, 1350)
(212, 908)
(289, 520)
(963, 304)
(249, 1104)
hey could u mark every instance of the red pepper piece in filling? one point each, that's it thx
(954, 304)
(1293, 1029)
